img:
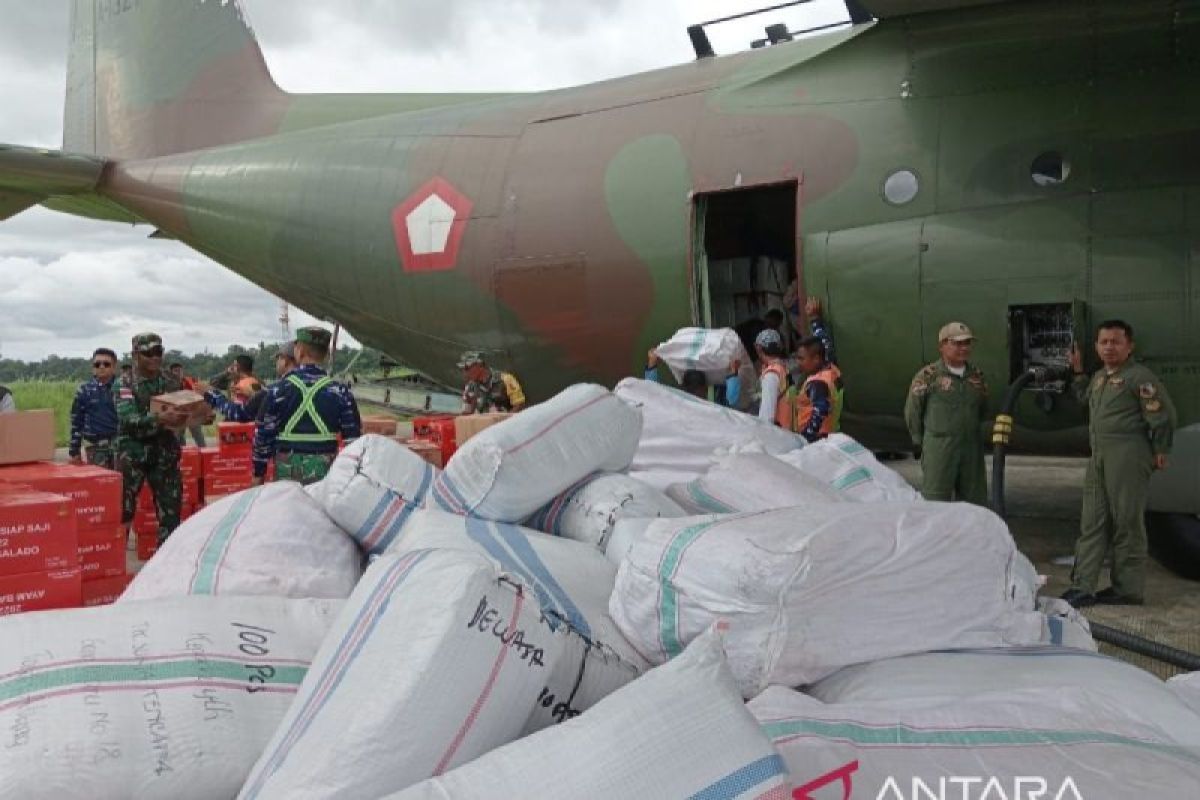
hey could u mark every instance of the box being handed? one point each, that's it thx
(189, 403)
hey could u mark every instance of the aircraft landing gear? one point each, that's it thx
(1175, 542)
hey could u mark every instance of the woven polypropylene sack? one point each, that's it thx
(1187, 688)
(711, 351)
(436, 659)
(680, 433)
(587, 511)
(270, 540)
(570, 581)
(1050, 743)
(851, 470)
(512, 469)
(807, 591)
(680, 731)
(751, 482)
(170, 699)
(371, 489)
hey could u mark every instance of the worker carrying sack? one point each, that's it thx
(587, 511)
(711, 351)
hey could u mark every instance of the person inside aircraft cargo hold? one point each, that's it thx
(773, 380)
(819, 401)
(488, 389)
(94, 413)
(1131, 425)
(947, 402)
(147, 444)
(302, 416)
(695, 384)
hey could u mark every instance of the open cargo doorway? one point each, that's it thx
(745, 258)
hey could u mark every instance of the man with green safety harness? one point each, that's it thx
(302, 416)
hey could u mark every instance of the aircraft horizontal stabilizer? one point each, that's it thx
(30, 175)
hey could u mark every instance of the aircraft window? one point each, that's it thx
(1050, 169)
(901, 187)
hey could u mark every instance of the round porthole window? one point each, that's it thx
(1050, 169)
(901, 187)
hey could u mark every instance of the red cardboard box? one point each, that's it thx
(191, 495)
(95, 490)
(102, 553)
(426, 450)
(219, 464)
(381, 425)
(37, 531)
(235, 438)
(147, 544)
(38, 591)
(191, 465)
(103, 591)
(216, 486)
(26, 436)
(440, 431)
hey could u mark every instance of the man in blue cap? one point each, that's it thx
(303, 414)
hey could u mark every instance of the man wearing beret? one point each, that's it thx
(303, 414)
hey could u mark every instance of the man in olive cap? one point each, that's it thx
(303, 414)
(947, 402)
(147, 443)
(488, 389)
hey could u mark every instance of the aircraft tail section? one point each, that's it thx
(149, 78)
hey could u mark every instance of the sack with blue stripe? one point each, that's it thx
(269, 540)
(807, 592)
(751, 482)
(167, 699)
(852, 471)
(372, 488)
(437, 658)
(588, 511)
(512, 469)
(679, 731)
(571, 583)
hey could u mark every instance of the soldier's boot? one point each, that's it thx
(1127, 484)
(1093, 530)
(971, 485)
(939, 468)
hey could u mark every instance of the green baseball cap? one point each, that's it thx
(318, 337)
(469, 358)
(145, 342)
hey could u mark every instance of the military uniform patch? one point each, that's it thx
(919, 388)
(1099, 381)
(946, 383)
(1153, 406)
(1116, 381)
(1147, 391)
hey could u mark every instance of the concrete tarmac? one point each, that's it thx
(1044, 496)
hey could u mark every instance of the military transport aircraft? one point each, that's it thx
(1029, 167)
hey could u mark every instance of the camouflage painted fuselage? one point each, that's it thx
(567, 249)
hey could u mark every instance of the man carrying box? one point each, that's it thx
(147, 443)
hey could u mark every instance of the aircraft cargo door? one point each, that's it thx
(870, 279)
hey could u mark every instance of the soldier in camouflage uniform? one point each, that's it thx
(94, 414)
(302, 416)
(1131, 425)
(488, 389)
(148, 443)
(947, 402)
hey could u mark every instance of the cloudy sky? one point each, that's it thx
(68, 285)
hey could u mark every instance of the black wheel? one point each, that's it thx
(1175, 542)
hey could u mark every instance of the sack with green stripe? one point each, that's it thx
(1057, 743)
(752, 482)
(171, 699)
(270, 540)
(851, 470)
(807, 593)
(588, 511)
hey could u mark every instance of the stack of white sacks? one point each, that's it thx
(580, 605)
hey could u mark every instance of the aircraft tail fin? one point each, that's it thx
(148, 78)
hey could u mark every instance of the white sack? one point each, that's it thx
(587, 511)
(173, 698)
(570, 581)
(1187, 688)
(751, 482)
(680, 433)
(711, 351)
(807, 591)
(269, 540)
(515, 467)
(963, 674)
(679, 731)
(372, 487)
(852, 470)
(436, 659)
(975, 748)
(624, 533)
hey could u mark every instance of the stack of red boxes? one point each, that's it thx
(94, 496)
(440, 431)
(39, 559)
(228, 468)
(145, 518)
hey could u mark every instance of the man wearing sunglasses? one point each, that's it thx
(94, 414)
(947, 403)
(148, 445)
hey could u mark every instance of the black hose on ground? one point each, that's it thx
(1146, 647)
(1001, 431)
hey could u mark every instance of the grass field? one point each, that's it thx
(55, 395)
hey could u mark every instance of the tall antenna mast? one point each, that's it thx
(285, 320)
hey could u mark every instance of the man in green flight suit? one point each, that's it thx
(947, 402)
(147, 445)
(1131, 425)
